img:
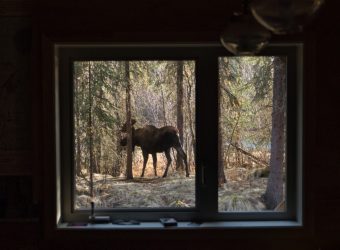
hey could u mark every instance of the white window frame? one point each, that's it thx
(206, 61)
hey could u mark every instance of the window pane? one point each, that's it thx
(252, 134)
(157, 100)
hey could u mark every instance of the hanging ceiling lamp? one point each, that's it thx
(243, 34)
(284, 16)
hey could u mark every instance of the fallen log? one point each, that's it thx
(252, 157)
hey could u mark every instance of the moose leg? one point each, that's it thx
(145, 157)
(168, 157)
(182, 154)
(154, 159)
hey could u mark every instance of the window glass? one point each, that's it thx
(151, 102)
(252, 134)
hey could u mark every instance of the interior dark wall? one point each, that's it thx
(24, 25)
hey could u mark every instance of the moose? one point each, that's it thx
(154, 140)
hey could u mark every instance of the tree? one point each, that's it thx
(77, 122)
(116, 166)
(274, 192)
(129, 174)
(180, 120)
(221, 176)
(90, 129)
(190, 88)
(225, 96)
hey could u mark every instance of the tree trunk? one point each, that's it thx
(179, 83)
(78, 156)
(94, 143)
(163, 105)
(117, 165)
(191, 125)
(99, 156)
(90, 131)
(98, 168)
(252, 157)
(129, 174)
(238, 154)
(274, 192)
(77, 116)
(221, 176)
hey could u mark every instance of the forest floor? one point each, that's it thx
(242, 195)
(238, 194)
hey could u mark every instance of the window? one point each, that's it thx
(159, 99)
(183, 131)
(252, 132)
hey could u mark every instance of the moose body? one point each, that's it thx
(154, 140)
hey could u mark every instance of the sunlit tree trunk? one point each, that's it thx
(129, 174)
(191, 124)
(236, 141)
(180, 119)
(117, 164)
(98, 167)
(274, 192)
(77, 118)
(90, 130)
(78, 156)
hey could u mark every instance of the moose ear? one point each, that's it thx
(124, 130)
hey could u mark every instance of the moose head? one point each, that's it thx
(124, 127)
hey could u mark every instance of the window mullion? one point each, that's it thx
(207, 117)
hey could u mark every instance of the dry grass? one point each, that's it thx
(161, 165)
(242, 192)
(137, 193)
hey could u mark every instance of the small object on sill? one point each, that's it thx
(77, 224)
(126, 222)
(99, 219)
(94, 219)
(167, 222)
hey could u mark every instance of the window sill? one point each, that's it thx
(187, 225)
